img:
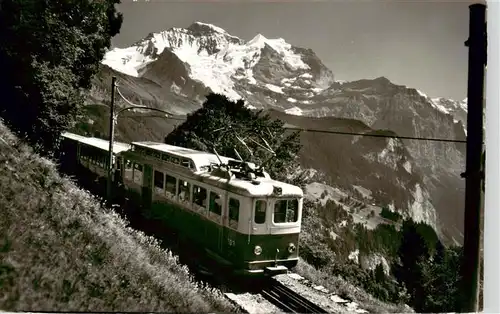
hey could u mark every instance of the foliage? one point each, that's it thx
(429, 271)
(440, 281)
(219, 124)
(387, 214)
(50, 51)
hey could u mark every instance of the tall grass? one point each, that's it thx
(60, 250)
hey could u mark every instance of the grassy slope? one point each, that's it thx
(61, 251)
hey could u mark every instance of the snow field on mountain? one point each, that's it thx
(215, 70)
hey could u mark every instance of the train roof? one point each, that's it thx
(73, 136)
(199, 158)
(265, 187)
(97, 142)
(259, 187)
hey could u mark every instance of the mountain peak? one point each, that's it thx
(382, 79)
(259, 38)
(205, 27)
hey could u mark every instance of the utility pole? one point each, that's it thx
(111, 139)
(473, 172)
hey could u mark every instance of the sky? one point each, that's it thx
(417, 43)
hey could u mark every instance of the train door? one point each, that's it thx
(232, 220)
(213, 231)
(222, 225)
(147, 186)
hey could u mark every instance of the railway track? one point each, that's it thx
(287, 299)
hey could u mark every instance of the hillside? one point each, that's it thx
(61, 251)
(175, 69)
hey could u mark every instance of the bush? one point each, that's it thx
(387, 214)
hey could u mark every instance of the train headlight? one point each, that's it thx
(291, 248)
(257, 250)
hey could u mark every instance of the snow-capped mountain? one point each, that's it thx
(224, 63)
(176, 68)
(457, 109)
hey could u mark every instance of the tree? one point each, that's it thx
(225, 125)
(49, 53)
(413, 251)
(438, 276)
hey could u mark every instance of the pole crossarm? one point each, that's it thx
(142, 108)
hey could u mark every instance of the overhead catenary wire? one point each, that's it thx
(430, 139)
(123, 97)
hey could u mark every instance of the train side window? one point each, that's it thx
(138, 173)
(186, 163)
(128, 170)
(260, 211)
(286, 211)
(184, 191)
(199, 196)
(159, 180)
(170, 186)
(215, 203)
(234, 213)
(86, 153)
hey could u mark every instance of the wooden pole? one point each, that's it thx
(473, 173)
(111, 140)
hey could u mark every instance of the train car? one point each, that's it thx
(69, 152)
(235, 212)
(87, 158)
(241, 216)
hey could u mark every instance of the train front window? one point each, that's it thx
(260, 211)
(286, 211)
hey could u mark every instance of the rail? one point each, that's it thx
(287, 299)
